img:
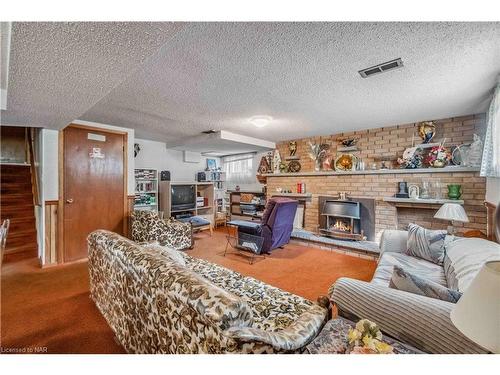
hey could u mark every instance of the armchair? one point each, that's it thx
(148, 226)
(277, 223)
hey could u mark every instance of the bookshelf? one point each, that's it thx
(146, 189)
(218, 179)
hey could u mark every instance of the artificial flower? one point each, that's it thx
(353, 335)
(369, 342)
(383, 348)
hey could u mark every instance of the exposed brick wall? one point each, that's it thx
(395, 140)
(392, 140)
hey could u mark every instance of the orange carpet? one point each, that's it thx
(305, 271)
(50, 308)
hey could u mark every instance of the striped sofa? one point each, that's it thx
(417, 320)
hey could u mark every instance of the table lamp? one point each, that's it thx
(477, 312)
(452, 212)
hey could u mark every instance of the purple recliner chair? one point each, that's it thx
(276, 225)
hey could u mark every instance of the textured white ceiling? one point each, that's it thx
(59, 70)
(217, 75)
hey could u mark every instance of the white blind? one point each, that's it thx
(239, 168)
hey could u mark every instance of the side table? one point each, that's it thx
(333, 340)
(243, 242)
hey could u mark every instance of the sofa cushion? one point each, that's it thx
(416, 266)
(426, 244)
(273, 309)
(464, 257)
(408, 282)
(196, 221)
(172, 254)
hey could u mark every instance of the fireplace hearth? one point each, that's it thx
(342, 219)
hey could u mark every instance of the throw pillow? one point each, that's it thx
(408, 282)
(172, 254)
(426, 244)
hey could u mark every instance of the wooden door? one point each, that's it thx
(94, 183)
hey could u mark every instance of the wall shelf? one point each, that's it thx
(405, 201)
(451, 169)
(292, 195)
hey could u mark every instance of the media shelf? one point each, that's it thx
(247, 204)
(146, 189)
(202, 189)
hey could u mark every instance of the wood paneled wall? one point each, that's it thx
(130, 210)
(51, 218)
(50, 256)
(490, 220)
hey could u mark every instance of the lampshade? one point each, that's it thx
(452, 211)
(477, 313)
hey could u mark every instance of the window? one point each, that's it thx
(239, 168)
(491, 154)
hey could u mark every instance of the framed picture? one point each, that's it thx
(414, 191)
(211, 164)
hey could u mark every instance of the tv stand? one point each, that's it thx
(204, 189)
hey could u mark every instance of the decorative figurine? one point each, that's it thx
(276, 161)
(292, 147)
(137, 149)
(264, 166)
(426, 131)
(345, 162)
(269, 157)
(411, 159)
(317, 154)
(294, 166)
(349, 142)
(403, 190)
(413, 191)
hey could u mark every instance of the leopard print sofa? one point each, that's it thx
(155, 305)
(147, 226)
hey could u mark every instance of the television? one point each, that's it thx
(183, 197)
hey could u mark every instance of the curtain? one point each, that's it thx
(490, 165)
(239, 168)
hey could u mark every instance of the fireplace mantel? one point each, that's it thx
(451, 169)
(293, 195)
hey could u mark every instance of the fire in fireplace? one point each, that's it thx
(342, 220)
(341, 226)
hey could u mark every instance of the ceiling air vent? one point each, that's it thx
(381, 68)
(210, 131)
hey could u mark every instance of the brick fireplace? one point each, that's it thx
(381, 184)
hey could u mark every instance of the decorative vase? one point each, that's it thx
(454, 191)
(317, 165)
(438, 163)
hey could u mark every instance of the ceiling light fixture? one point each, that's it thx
(260, 121)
